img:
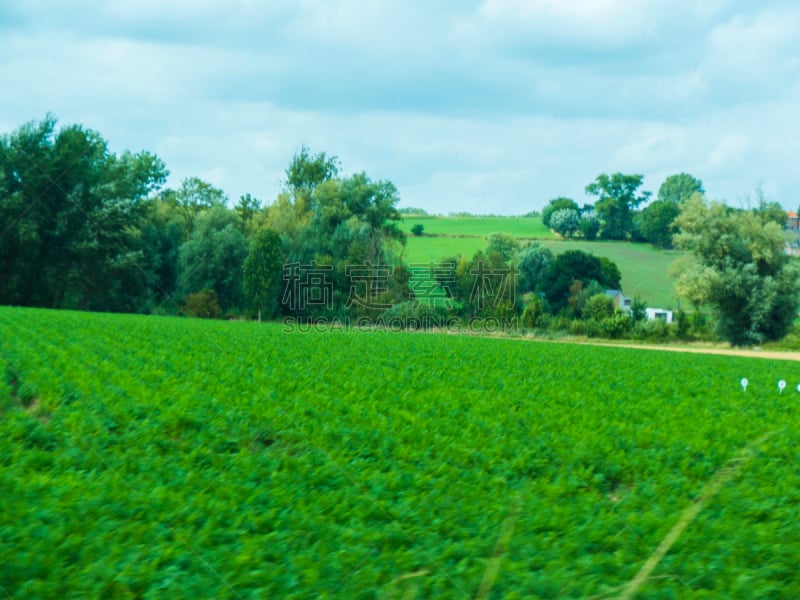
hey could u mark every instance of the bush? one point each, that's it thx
(202, 305)
(418, 229)
(598, 308)
(616, 326)
(533, 313)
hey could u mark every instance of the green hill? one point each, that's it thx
(643, 268)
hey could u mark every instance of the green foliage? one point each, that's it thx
(504, 244)
(565, 221)
(739, 268)
(679, 188)
(534, 262)
(656, 222)
(576, 265)
(202, 305)
(263, 272)
(589, 225)
(555, 205)
(213, 258)
(418, 229)
(307, 171)
(598, 307)
(70, 213)
(617, 196)
(165, 452)
(533, 313)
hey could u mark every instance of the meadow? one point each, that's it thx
(150, 457)
(644, 269)
(519, 227)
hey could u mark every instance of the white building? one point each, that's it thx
(659, 313)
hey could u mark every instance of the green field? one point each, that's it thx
(155, 457)
(644, 268)
(520, 227)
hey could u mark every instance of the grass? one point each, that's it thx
(644, 269)
(519, 227)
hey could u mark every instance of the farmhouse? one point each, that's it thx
(621, 301)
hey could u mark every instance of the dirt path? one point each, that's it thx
(769, 354)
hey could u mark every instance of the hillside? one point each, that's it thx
(644, 268)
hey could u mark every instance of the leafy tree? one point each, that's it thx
(656, 222)
(70, 213)
(557, 204)
(193, 197)
(589, 224)
(617, 196)
(739, 268)
(247, 208)
(572, 266)
(504, 244)
(213, 258)
(418, 229)
(610, 277)
(263, 272)
(598, 307)
(307, 171)
(534, 262)
(679, 188)
(565, 221)
(638, 310)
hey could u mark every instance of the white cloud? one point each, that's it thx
(497, 106)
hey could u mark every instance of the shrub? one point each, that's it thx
(202, 305)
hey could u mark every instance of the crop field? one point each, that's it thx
(156, 457)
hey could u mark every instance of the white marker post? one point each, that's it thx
(744, 383)
(781, 386)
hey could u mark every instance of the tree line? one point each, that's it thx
(84, 228)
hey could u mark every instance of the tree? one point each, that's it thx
(590, 224)
(679, 188)
(306, 172)
(534, 262)
(70, 218)
(418, 229)
(247, 208)
(572, 266)
(656, 222)
(213, 258)
(557, 204)
(565, 221)
(263, 272)
(599, 307)
(739, 268)
(617, 197)
(504, 244)
(195, 196)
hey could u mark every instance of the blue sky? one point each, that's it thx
(487, 106)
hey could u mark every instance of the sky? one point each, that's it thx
(493, 106)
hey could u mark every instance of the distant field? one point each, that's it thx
(520, 227)
(643, 268)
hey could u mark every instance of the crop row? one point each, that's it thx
(153, 457)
